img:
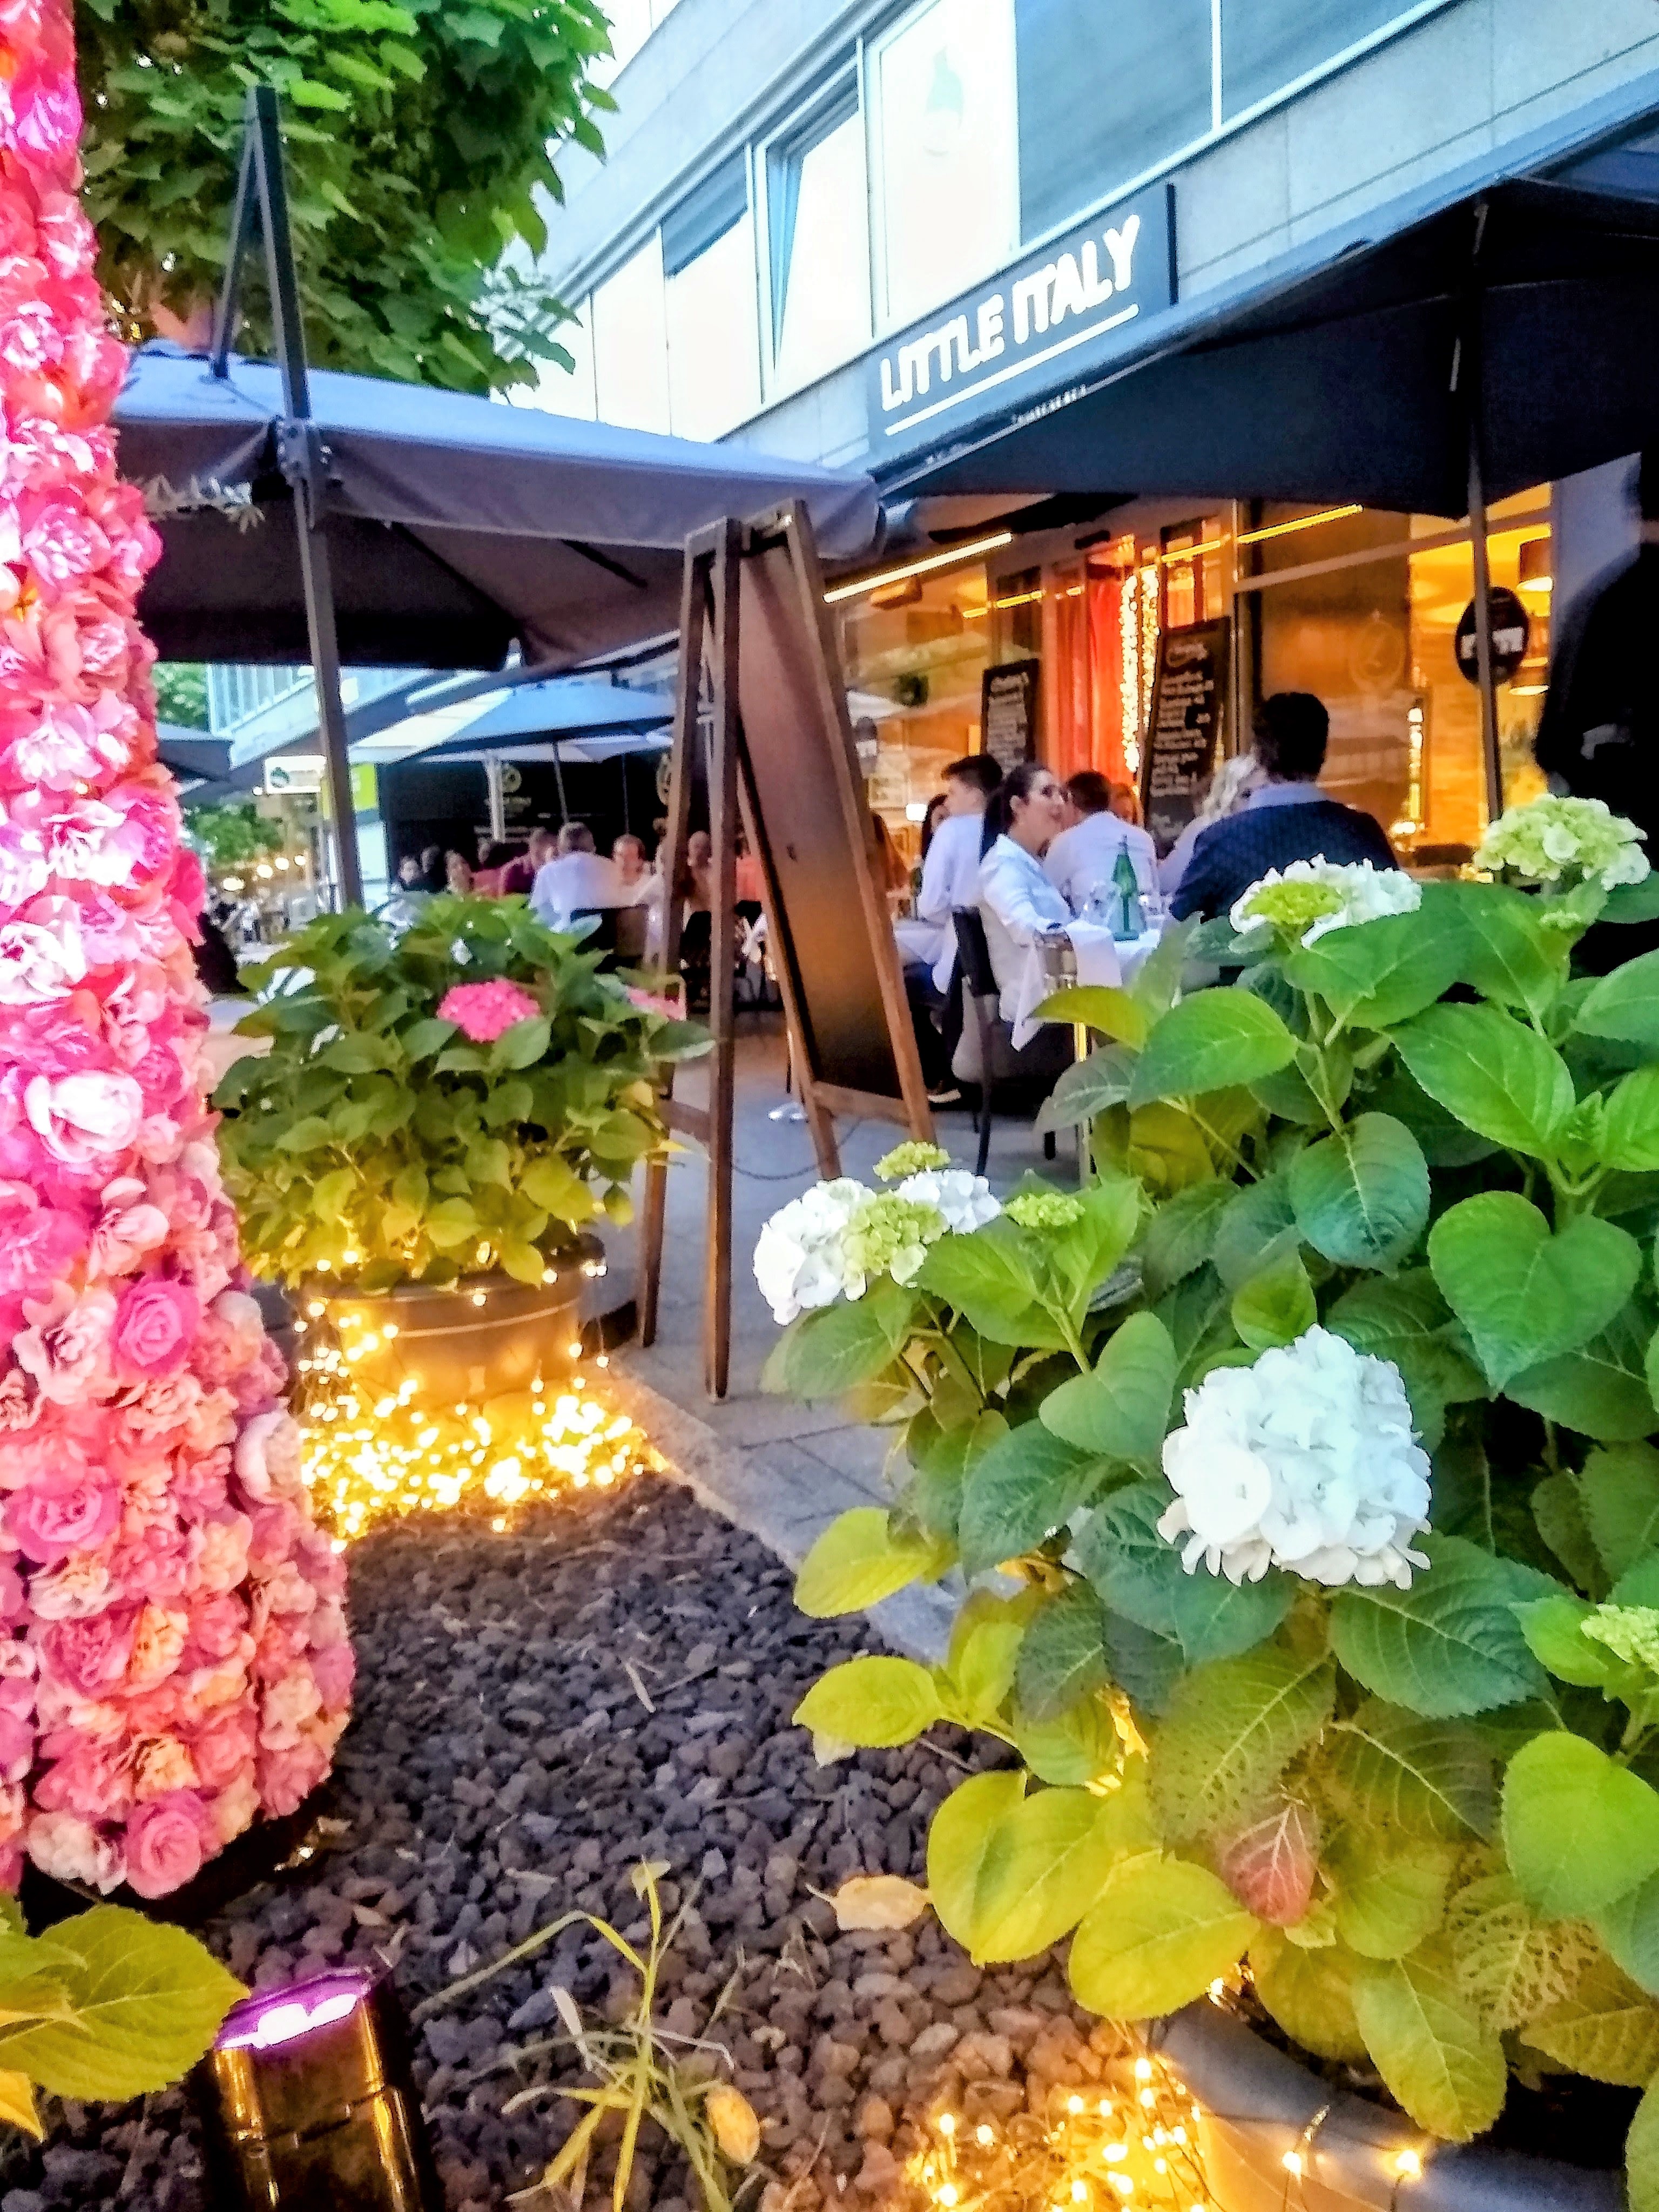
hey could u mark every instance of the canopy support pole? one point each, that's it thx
(1466, 376)
(262, 199)
(558, 778)
(497, 789)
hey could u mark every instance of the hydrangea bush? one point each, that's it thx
(1302, 1472)
(469, 1093)
(173, 1658)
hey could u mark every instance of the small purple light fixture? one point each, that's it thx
(310, 2102)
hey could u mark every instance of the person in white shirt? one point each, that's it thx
(636, 884)
(927, 945)
(576, 877)
(1017, 901)
(1081, 860)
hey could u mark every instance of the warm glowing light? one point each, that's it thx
(924, 567)
(1302, 522)
(1143, 2069)
(1294, 2163)
(949, 2193)
(947, 2123)
(1074, 2105)
(984, 2136)
(1408, 2165)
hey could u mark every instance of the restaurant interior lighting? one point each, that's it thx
(1289, 529)
(925, 567)
(1534, 565)
(309, 2102)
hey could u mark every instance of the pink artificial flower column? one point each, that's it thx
(173, 1658)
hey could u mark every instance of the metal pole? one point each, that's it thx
(558, 778)
(1467, 379)
(304, 460)
(497, 791)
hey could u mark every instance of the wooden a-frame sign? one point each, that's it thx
(780, 757)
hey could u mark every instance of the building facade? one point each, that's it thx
(852, 230)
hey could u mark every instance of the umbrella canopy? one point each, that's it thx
(456, 525)
(1335, 382)
(568, 707)
(588, 751)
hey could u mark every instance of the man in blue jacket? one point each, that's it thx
(1287, 818)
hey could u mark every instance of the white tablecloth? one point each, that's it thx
(1100, 959)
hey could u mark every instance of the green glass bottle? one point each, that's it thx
(1128, 921)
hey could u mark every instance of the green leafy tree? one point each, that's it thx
(232, 835)
(1417, 1812)
(419, 136)
(182, 694)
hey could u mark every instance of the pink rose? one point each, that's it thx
(165, 1843)
(123, 1235)
(334, 1669)
(157, 1640)
(268, 1456)
(93, 1779)
(160, 1765)
(83, 1119)
(16, 1748)
(38, 1244)
(155, 1323)
(288, 1705)
(41, 959)
(70, 1849)
(47, 1521)
(235, 1809)
(71, 1592)
(483, 1011)
(66, 1345)
(62, 544)
(225, 1747)
(287, 1778)
(217, 1626)
(93, 1654)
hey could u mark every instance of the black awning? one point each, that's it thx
(1352, 381)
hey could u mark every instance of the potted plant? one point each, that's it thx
(1314, 1434)
(443, 1115)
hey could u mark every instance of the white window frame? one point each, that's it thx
(844, 82)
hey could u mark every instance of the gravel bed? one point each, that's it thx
(504, 1767)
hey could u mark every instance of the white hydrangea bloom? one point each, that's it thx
(1550, 839)
(964, 1200)
(1306, 1461)
(800, 1258)
(1312, 896)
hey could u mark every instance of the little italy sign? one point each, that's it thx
(1060, 312)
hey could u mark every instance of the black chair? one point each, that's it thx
(602, 936)
(986, 1054)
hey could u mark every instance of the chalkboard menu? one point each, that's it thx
(1186, 726)
(1008, 711)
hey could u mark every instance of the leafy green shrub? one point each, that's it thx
(1318, 1435)
(375, 1143)
(233, 834)
(104, 2007)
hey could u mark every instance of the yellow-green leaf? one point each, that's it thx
(1441, 2060)
(874, 1702)
(1160, 1932)
(858, 1561)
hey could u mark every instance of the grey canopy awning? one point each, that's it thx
(457, 525)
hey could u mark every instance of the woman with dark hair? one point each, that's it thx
(1017, 901)
(931, 820)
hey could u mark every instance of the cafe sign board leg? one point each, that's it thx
(780, 758)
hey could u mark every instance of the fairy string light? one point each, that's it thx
(1132, 2139)
(373, 1453)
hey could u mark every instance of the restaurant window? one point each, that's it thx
(630, 343)
(817, 217)
(1103, 96)
(947, 147)
(914, 651)
(1267, 44)
(708, 266)
(1366, 617)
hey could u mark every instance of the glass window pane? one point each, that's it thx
(948, 150)
(630, 344)
(821, 244)
(1097, 109)
(1267, 44)
(714, 370)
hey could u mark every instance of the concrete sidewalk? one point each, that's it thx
(780, 1469)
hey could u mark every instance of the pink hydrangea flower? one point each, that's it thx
(483, 1010)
